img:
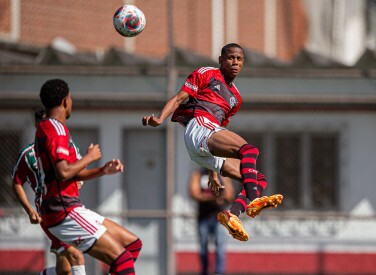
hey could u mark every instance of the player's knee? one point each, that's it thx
(63, 266)
(75, 257)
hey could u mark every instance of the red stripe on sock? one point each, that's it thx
(135, 248)
(261, 180)
(123, 265)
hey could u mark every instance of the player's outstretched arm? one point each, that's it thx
(111, 167)
(22, 198)
(65, 171)
(167, 110)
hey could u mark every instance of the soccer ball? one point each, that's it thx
(129, 21)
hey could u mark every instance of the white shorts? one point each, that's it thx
(81, 228)
(196, 136)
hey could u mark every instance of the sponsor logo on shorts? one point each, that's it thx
(77, 242)
(62, 151)
(191, 86)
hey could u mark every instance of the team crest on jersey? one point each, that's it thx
(233, 102)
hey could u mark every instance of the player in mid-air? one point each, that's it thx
(204, 106)
(68, 259)
(59, 170)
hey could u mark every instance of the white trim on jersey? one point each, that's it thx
(236, 88)
(205, 69)
(29, 165)
(58, 127)
(42, 176)
(21, 156)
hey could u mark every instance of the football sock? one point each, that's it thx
(123, 265)
(78, 270)
(248, 155)
(135, 248)
(240, 204)
(261, 183)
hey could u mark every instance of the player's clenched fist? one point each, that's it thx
(94, 152)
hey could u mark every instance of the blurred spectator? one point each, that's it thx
(208, 227)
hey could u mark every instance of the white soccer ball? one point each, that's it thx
(129, 21)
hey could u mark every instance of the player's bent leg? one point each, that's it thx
(74, 256)
(233, 225)
(231, 170)
(225, 144)
(106, 249)
(128, 240)
(259, 204)
(63, 266)
(124, 236)
(76, 260)
(110, 251)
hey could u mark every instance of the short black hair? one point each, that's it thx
(53, 92)
(39, 115)
(230, 45)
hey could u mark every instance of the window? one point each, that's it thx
(304, 167)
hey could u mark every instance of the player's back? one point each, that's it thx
(53, 144)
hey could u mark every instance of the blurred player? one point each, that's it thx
(208, 228)
(212, 100)
(60, 169)
(26, 170)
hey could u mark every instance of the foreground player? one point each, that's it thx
(212, 100)
(26, 170)
(60, 169)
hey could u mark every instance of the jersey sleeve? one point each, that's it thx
(58, 148)
(194, 83)
(19, 175)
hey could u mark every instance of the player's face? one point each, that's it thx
(232, 62)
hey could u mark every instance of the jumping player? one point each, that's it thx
(26, 170)
(212, 99)
(60, 169)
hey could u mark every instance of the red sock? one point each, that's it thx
(135, 248)
(240, 204)
(261, 183)
(248, 155)
(123, 265)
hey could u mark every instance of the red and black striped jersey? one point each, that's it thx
(209, 96)
(53, 143)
